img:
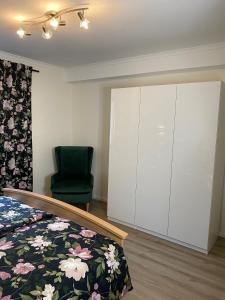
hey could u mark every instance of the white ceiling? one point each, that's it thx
(118, 29)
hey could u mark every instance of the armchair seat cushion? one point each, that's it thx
(72, 186)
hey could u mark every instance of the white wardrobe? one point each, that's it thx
(167, 159)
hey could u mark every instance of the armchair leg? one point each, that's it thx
(87, 206)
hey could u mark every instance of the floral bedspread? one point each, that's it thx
(57, 259)
(14, 213)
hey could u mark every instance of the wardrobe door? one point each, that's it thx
(193, 162)
(123, 153)
(157, 114)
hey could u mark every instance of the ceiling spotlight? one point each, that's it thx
(54, 23)
(84, 22)
(21, 33)
(46, 34)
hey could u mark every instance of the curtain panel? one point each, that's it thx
(15, 126)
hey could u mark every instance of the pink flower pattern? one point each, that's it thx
(87, 233)
(6, 298)
(4, 275)
(83, 253)
(23, 268)
(4, 245)
(95, 296)
(74, 236)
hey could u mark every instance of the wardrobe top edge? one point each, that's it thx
(220, 82)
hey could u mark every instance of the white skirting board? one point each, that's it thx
(160, 236)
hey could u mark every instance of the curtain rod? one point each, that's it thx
(35, 71)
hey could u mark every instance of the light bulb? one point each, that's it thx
(21, 33)
(46, 34)
(54, 23)
(84, 23)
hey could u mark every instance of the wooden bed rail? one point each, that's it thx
(68, 211)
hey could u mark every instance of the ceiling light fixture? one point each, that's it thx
(84, 22)
(53, 19)
(54, 23)
(46, 33)
(22, 33)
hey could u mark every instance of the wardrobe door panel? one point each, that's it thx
(193, 162)
(123, 153)
(157, 114)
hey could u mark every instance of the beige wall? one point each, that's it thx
(85, 121)
(91, 115)
(51, 118)
(52, 123)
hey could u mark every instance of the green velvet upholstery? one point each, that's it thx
(74, 182)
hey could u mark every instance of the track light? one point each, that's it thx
(54, 23)
(46, 33)
(84, 22)
(53, 19)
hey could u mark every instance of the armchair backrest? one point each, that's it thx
(74, 161)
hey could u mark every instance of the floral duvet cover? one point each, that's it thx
(57, 259)
(14, 213)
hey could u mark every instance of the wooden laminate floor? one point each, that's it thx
(161, 270)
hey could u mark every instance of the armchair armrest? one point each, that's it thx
(54, 179)
(91, 180)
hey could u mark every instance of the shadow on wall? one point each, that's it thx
(47, 183)
(47, 179)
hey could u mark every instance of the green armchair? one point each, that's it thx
(74, 182)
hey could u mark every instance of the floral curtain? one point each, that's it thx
(15, 126)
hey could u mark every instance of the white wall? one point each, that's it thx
(91, 115)
(91, 112)
(51, 118)
(85, 121)
(212, 55)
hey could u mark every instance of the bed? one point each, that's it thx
(52, 250)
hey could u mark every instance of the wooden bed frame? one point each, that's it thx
(68, 211)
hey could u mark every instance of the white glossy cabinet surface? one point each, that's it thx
(193, 162)
(167, 158)
(123, 153)
(157, 112)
